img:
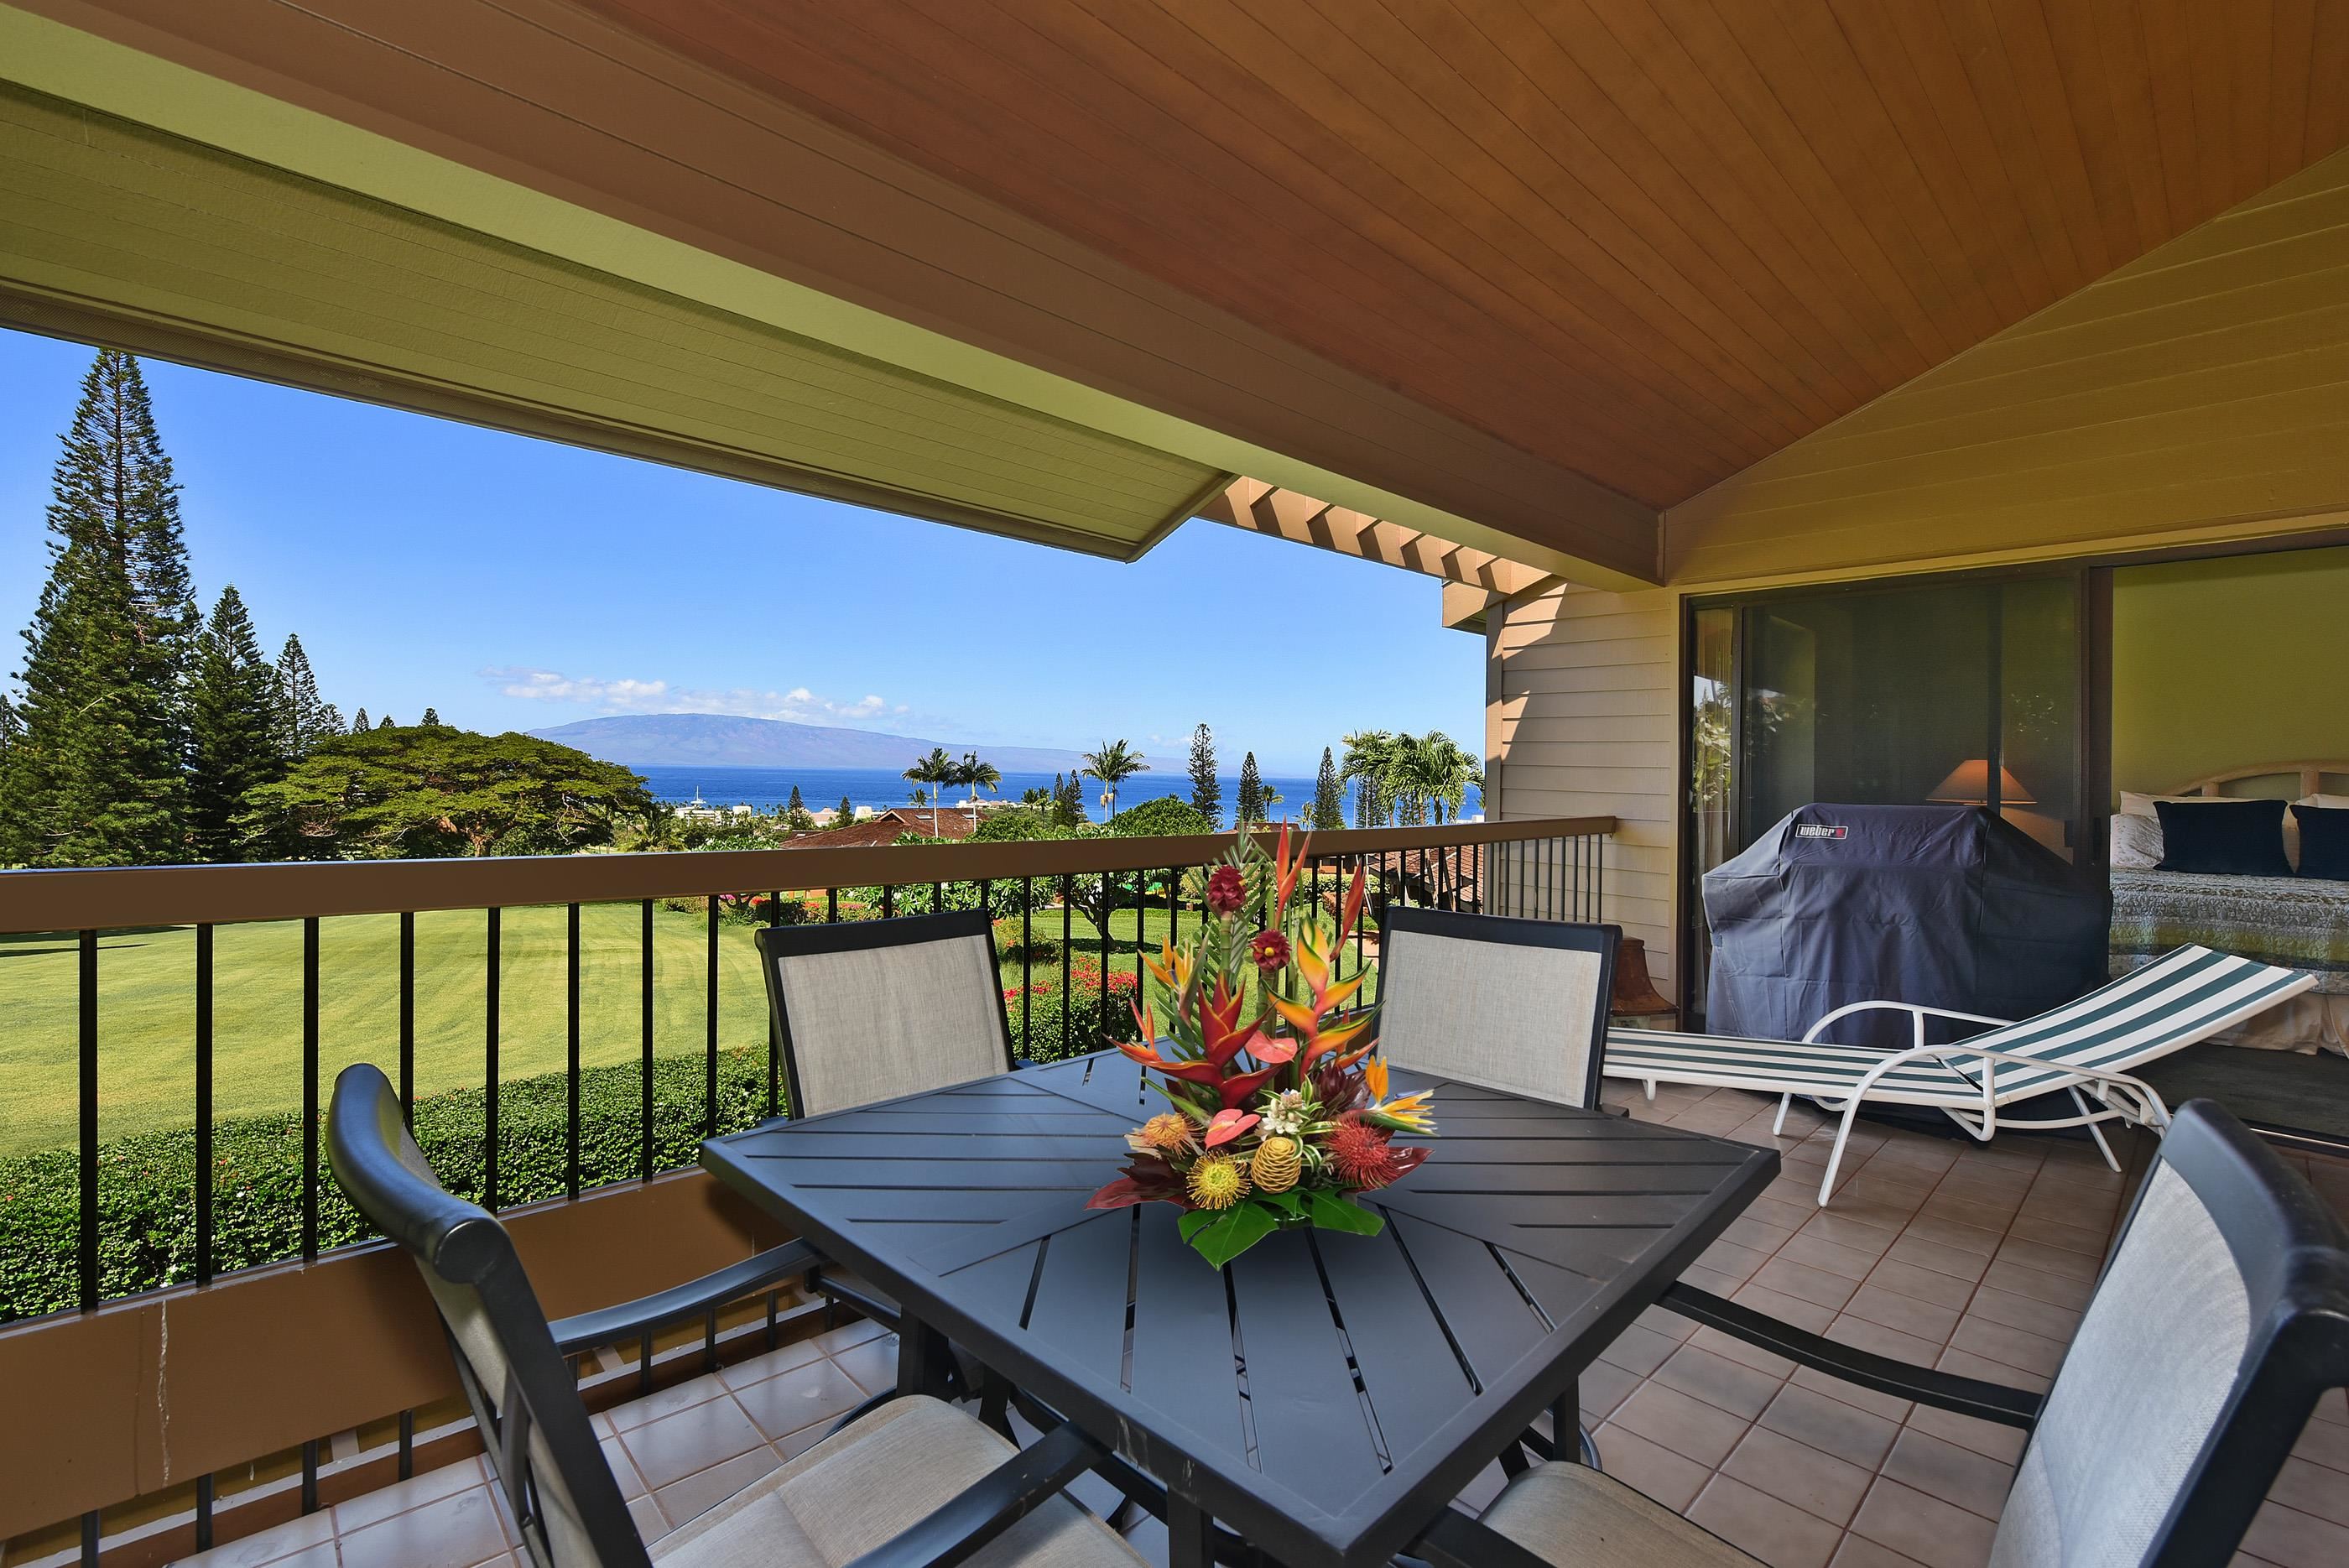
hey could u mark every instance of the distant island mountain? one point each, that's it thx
(720, 741)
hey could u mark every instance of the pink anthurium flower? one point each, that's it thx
(1270, 1052)
(1227, 1125)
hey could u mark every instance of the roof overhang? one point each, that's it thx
(595, 175)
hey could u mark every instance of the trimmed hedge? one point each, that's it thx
(147, 1214)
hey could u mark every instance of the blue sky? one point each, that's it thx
(516, 584)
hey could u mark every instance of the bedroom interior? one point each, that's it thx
(2207, 701)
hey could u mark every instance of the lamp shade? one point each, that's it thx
(1969, 784)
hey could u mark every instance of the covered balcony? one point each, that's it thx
(1807, 402)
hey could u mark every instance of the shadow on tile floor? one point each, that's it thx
(1973, 1258)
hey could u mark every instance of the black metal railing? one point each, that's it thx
(1552, 870)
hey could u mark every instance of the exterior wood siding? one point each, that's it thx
(1584, 704)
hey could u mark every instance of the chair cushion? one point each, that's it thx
(1571, 1515)
(1506, 1016)
(861, 1487)
(2150, 1367)
(872, 1023)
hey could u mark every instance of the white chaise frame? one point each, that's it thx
(2138, 1102)
(1973, 1101)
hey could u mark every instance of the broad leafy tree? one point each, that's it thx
(233, 728)
(1206, 789)
(1112, 765)
(98, 775)
(436, 791)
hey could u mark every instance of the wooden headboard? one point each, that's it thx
(2312, 778)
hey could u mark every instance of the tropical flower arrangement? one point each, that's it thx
(1277, 1115)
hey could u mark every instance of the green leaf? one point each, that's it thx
(1332, 1213)
(1233, 1231)
(1289, 1202)
(1196, 1221)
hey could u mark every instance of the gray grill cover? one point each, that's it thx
(1944, 904)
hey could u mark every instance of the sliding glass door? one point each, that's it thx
(1962, 691)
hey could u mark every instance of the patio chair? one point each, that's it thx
(914, 1482)
(1503, 1004)
(2221, 1317)
(2089, 1043)
(875, 1010)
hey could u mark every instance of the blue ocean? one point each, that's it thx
(770, 788)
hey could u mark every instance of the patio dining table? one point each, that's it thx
(1324, 1396)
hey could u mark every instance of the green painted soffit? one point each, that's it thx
(68, 63)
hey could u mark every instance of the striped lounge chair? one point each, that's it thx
(2181, 997)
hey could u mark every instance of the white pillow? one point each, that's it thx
(2137, 843)
(2135, 804)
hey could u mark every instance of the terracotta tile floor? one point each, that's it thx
(1954, 1254)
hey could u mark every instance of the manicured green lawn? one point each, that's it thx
(147, 1007)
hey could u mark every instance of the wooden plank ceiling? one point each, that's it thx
(1650, 240)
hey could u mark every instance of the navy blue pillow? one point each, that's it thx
(2224, 838)
(2323, 841)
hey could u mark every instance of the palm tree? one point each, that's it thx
(1369, 755)
(937, 768)
(976, 775)
(1429, 771)
(1112, 764)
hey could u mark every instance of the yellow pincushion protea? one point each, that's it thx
(1216, 1181)
(1166, 1132)
(1277, 1161)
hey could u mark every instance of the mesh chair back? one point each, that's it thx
(875, 1010)
(2221, 1317)
(522, 1392)
(1511, 1004)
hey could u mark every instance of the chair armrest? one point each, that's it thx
(611, 1324)
(1456, 1541)
(1917, 1011)
(1943, 1390)
(959, 1528)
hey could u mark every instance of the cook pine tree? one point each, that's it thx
(97, 775)
(1206, 789)
(303, 720)
(1249, 806)
(233, 727)
(1328, 796)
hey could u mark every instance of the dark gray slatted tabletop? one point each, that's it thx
(1327, 1393)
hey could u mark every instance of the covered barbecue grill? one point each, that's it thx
(1947, 906)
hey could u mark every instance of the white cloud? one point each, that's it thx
(631, 696)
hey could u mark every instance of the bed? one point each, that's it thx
(2288, 1069)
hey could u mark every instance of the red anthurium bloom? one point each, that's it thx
(1272, 1053)
(1228, 1124)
